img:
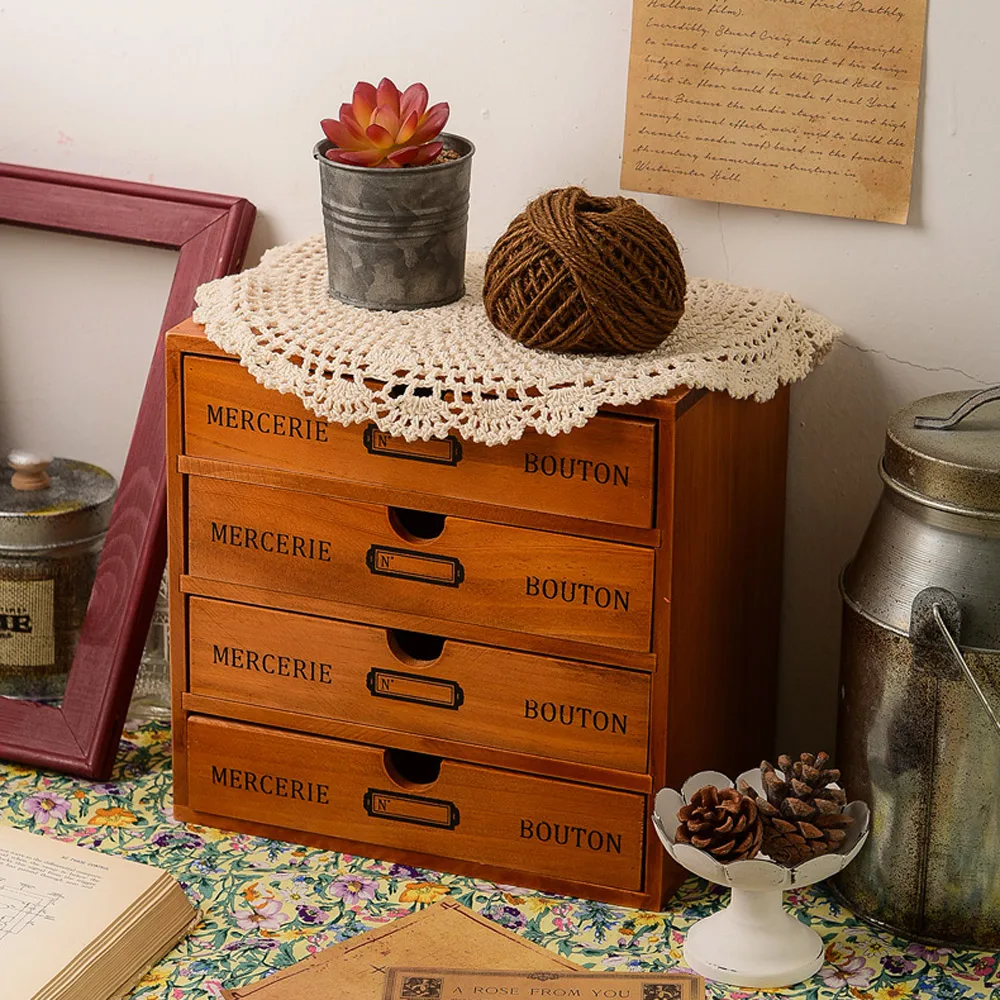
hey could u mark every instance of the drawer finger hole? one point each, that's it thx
(410, 769)
(414, 648)
(415, 525)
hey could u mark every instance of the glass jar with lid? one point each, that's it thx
(54, 514)
(151, 695)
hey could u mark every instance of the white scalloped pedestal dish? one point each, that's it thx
(753, 942)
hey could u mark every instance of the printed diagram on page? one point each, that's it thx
(21, 905)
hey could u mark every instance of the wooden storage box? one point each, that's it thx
(483, 660)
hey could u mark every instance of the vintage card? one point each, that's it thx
(357, 968)
(446, 984)
(808, 105)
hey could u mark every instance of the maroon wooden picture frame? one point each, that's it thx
(211, 232)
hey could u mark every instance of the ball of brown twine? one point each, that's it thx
(578, 273)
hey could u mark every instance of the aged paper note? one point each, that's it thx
(808, 105)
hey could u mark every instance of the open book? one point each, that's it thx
(79, 925)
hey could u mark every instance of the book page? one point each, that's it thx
(807, 105)
(54, 900)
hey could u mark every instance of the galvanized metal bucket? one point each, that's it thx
(919, 735)
(395, 238)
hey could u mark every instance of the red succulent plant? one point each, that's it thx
(382, 127)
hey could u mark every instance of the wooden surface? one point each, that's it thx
(363, 793)
(410, 499)
(475, 753)
(417, 683)
(702, 663)
(603, 471)
(729, 510)
(509, 638)
(716, 688)
(211, 232)
(473, 571)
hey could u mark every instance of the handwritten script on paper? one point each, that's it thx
(808, 105)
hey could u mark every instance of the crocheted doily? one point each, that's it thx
(429, 372)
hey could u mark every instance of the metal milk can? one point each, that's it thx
(919, 731)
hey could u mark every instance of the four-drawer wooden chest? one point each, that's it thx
(480, 660)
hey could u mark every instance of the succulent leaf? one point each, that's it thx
(427, 153)
(364, 103)
(388, 118)
(382, 127)
(407, 127)
(381, 137)
(350, 119)
(431, 122)
(403, 157)
(414, 99)
(340, 135)
(357, 157)
(388, 94)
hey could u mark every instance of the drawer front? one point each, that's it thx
(603, 471)
(418, 684)
(472, 571)
(468, 812)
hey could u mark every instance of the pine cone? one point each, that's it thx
(724, 823)
(802, 818)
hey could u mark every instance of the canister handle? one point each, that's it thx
(960, 662)
(991, 395)
(931, 607)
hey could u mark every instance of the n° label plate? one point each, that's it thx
(445, 571)
(437, 451)
(405, 808)
(414, 688)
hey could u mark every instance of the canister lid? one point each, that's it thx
(956, 461)
(47, 503)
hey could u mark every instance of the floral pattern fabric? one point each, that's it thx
(267, 904)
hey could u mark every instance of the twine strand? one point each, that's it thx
(582, 274)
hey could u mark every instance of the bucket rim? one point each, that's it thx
(319, 153)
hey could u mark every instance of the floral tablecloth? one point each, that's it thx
(269, 904)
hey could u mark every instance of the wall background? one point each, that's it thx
(223, 97)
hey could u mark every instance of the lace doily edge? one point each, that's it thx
(424, 419)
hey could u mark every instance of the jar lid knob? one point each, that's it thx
(29, 470)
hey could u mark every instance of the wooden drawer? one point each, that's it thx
(603, 471)
(471, 571)
(416, 803)
(419, 684)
